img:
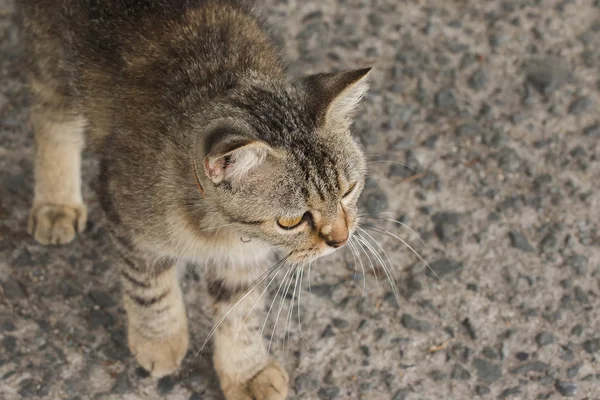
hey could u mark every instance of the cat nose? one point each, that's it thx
(337, 236)
(336, 244)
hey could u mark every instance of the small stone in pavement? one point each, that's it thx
(122, 384)
(478, 79)
(535, 366)
(592, 345)
(401, 394)
(9, 343)
(522, 356)
(446, 225)
(519, 241)
(445, 98)
(324, 290)
(481, 390)
(419, 325)
(544, 339)
(468, 325)
(460, 352)
(13, 290)
(509, 392)
(459, 373)
(376, 202)
(443, 267)
(573, 370)
(490, 352)
(166, 384)
(581, 296)
(592, 131)
(547, 75)
(577, 330)
(305, 383)
(567, 389)
(102, 299)
(328, 393)
(578, 262)
(436, 375)
(328, 332)
(487, 372)
(580, 106)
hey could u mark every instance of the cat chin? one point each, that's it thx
(303, 257)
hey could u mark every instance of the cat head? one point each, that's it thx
(277, 159)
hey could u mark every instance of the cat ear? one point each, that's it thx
(232, 157)
(334, 96)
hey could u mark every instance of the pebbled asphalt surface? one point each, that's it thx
(493, 105)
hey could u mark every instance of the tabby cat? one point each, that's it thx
(209, 154)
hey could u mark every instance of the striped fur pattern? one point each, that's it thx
(205, 146)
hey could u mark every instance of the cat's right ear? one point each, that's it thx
(230, 157)
(333, 97)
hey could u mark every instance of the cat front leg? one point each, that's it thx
(157, 326)
(240, 357)
(58, 212)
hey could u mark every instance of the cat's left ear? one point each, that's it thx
(231, 157)
(334, 96)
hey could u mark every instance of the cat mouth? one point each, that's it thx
(314, 253)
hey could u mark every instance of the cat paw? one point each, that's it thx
(271, 383)
(52, 224)
(160, 357)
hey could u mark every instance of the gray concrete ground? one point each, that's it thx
(494, 105)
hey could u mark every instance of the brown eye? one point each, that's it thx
(350, 190)
(289, 223)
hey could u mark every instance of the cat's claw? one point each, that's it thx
(271, 383)
(160, 357)
(53, 224)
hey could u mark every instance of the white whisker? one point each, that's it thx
(362, 267)
(258, 281)
(215, 227)
(288, 319)
(299, 320)
(273, 303)
(385, 232)
(257, 300)
(360, 240)
(378, 257)
(397, 222)
(283, 295)
(385, 267)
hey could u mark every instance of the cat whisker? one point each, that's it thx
(215, 227)
(383, 265)
(361, 246)
(281, 284)
(387, 268)
(253, 286)
(396, 222)
(390, 263)
(283, 295)
(390, 234)
(299, 319)
(362, 267)
(288, 319)
(354, 262)
(381, 178)
(259, 297)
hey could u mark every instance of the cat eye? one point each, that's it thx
(350, 190)
(290, 223)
